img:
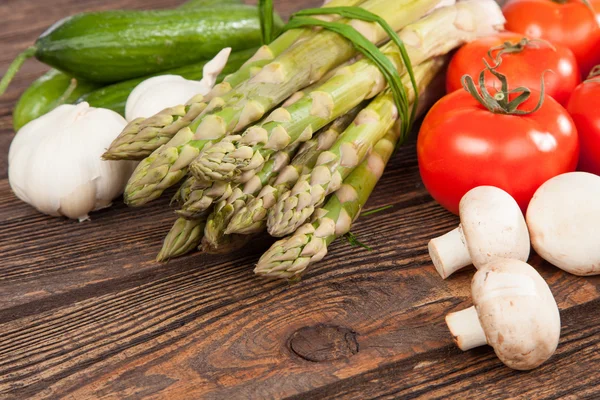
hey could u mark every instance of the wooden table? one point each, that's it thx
(85, 312)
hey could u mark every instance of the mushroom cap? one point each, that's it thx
(493, 225)
(517, 312)
(564, 222)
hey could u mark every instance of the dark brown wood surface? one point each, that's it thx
(85, 312)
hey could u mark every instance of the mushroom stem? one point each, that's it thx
(449, 252)
(466, 329)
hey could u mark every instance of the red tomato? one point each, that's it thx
(583, 107)
(571, 24)
(462, 145)
(522, 68)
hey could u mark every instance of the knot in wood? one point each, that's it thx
(324, 343)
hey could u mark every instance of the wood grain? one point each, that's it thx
(85, 312)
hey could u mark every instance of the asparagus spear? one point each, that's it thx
(201, 196)
(304, 62)
(295, 206)
(141, 137)
(252, 217)
(290, 257)
(437, 34)
(214, 232)
(183, 237)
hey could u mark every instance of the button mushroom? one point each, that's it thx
(564, 222)
(514, 312)
(491, 225)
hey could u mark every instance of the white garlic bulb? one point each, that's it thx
(54, 162)
(159, 92)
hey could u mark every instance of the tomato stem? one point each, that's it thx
(500, 102)
(595, 72)
(508, 48)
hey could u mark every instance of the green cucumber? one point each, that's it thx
(46, 93)
(55, 87)
(115, 96)
(112, 46)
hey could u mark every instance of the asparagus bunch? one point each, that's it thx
(290, 257)
(236, 151)
(303, 63)
(252, 217)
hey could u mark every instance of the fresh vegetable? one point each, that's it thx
(111, 46)
(492, 137)
(584, 111)
(55, 87)
(491, 225)
(289, 72)
(46, 93)
(523, 61)
(514, 312)
(290, 257)
(54, 162)
(156, 93)
(563, 218)
(571, 23)
(184, 236)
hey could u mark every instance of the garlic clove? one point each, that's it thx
(159, 92)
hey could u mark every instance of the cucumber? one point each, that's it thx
(46, 93)
(112, 46)
(115, 96)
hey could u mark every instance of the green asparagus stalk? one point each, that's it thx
(183, 237)
(304, 62)
(290, 257)
(142, 136)
(437, 34)
(295, 206)
(252, 218)
(214, 232)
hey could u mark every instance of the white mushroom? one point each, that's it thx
(514, 312)
(564, 222)
(491, 225)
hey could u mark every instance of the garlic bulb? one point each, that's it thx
(159, 92)
(54, 161)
